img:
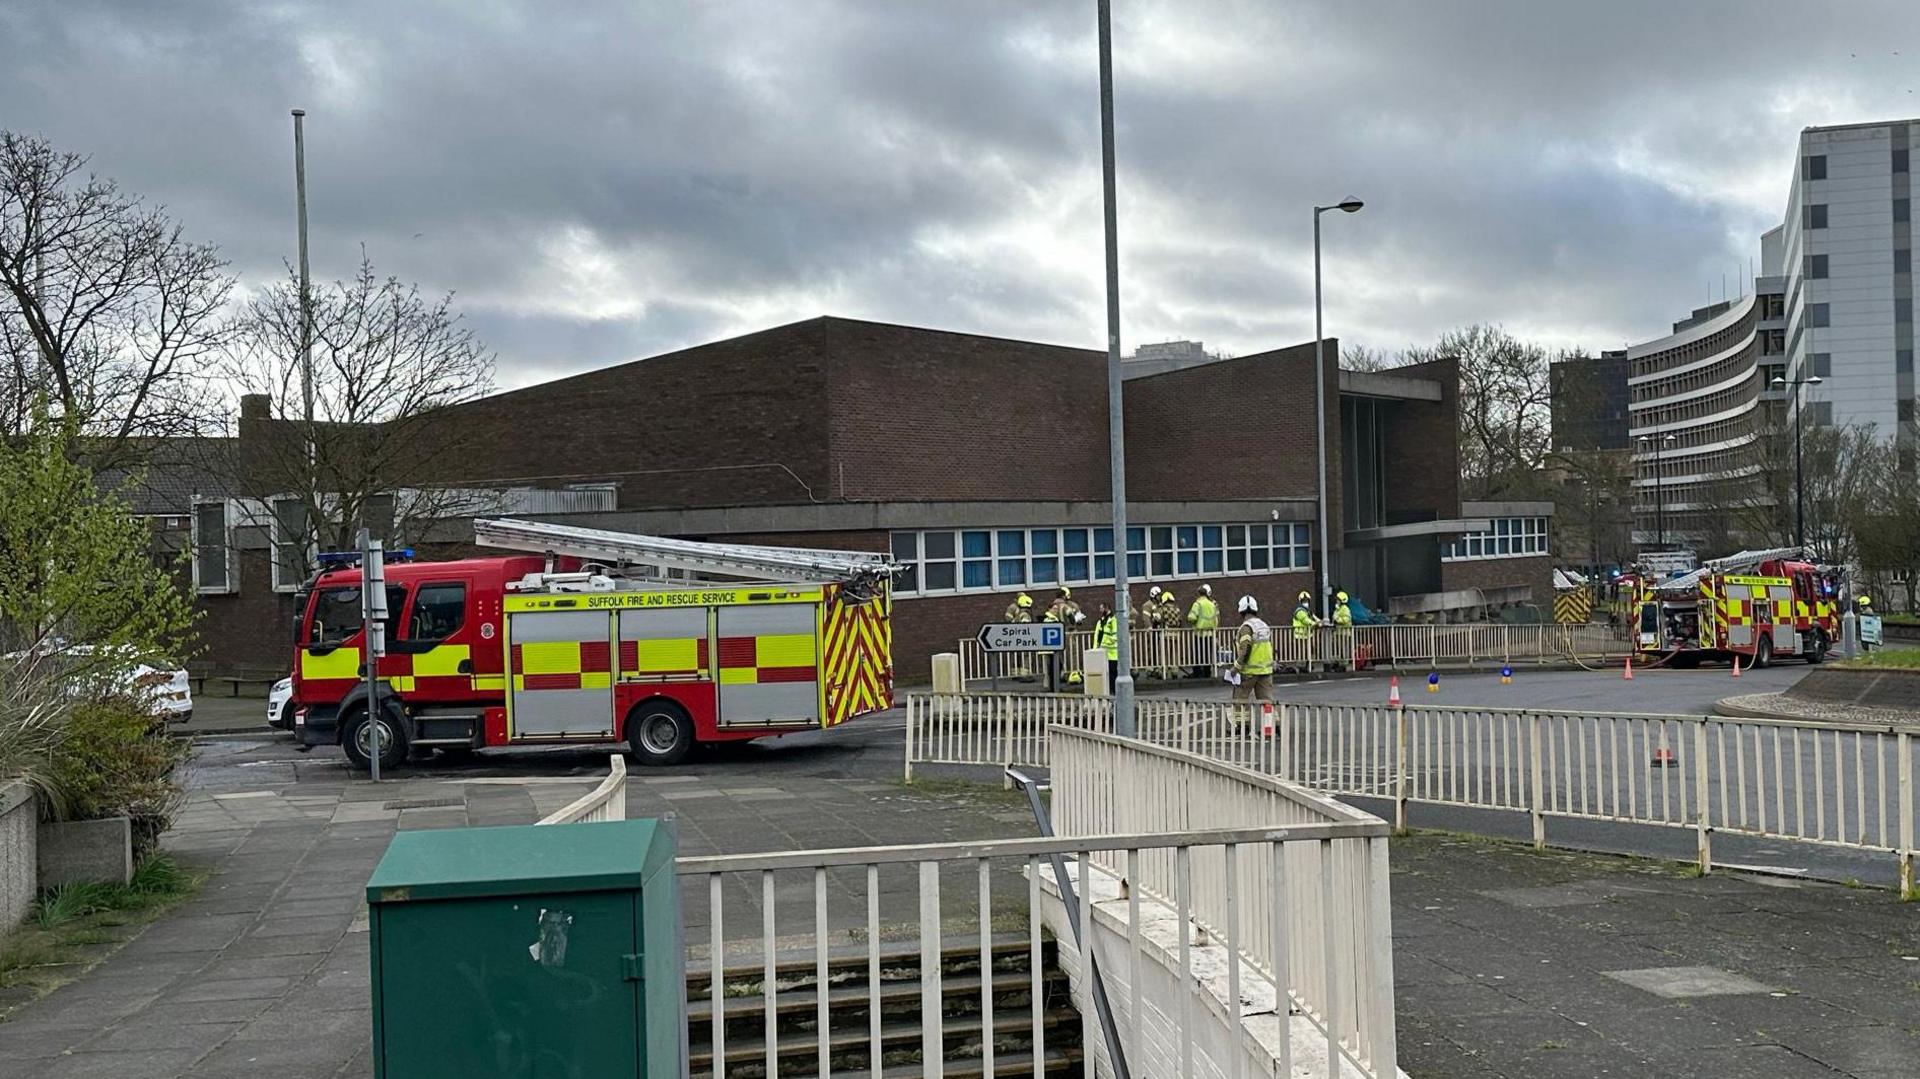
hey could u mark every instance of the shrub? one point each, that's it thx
(115, 759)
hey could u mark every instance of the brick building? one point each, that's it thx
(981, 464)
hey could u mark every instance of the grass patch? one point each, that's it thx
(1897, 658)
(62, 937)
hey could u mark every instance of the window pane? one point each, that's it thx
(906, 579)
(1136, 539)
(1817, 314)
(336, 616)
(1012, 542)
(1103, 539)
(977, 575)
(1046, 569)
(939, 576)
(976, 544)
(210, 538)
(1210, 561)
(1162, 563)
(1189, 562)
(1012, 571)
(1903, 261)
(1256, 535)
(1210, 536)
(1076, 540)
(1076, 568)
(1162, 537)
(1506, 545)
(1903, 209)
(1045, 541)
(1137, 565)
(1258, 557)
(1282, 557)
(1822, 364)
(1816, 266)
(1900, 161)
(1236, 535)
(1814, 167)
(939, 545)
(1103, 567)
(1236, 560)
(438, 612)
(906, 547)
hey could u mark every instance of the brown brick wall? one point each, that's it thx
(926, 415)
(736, 422)
(250, 631)
(1422, 448)
(1236, 429)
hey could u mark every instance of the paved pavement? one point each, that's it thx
(1503, 956)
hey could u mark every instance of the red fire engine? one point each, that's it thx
(603, 637)
(1752, 607)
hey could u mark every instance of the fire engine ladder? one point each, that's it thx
(1749, 560)
(861, 571)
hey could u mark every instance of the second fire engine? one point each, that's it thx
(1751, 608)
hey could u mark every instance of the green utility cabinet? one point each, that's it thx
(542, 951)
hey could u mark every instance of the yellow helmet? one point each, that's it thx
(1340, 597)
(1865, 602)
(1065, 592)
(1024, 600)
(1073, 678)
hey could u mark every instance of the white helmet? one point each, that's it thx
(1152, 592)
(1206, 590)
(1249, 605)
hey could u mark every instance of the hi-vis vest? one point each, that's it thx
(1257, 636)
(1302, 623)
(1106, 635)
(1203, 614)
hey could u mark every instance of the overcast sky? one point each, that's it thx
(605, 181)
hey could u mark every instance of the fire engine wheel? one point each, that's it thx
(659, 733)
(1763, 653)
(1817, 651)
(357, 741)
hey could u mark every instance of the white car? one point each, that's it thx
(277, 715)
(167, 689)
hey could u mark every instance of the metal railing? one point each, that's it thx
(608, 801)
(1837, 784)
(1313, 917)
(1174, 653)
(1269, 877)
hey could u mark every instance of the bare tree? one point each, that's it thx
(107, 311)
(385, 358)
(1842, 468)
(1506, 427)
(1369, 359)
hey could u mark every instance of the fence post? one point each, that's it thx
(1006, 715)
(1700, 799)
(1538, 799)
(910, 725)
(1905, 759)
(1400, 767)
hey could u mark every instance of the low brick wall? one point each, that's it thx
(1874, 687)
(19, 852)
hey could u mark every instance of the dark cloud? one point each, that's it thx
(599, 181)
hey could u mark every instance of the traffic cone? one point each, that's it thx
(1736, 664)
(1393, 692)
(1433, 682)
(1266, 719)
(1506, 676)
(1629, 668)
(1663, 758)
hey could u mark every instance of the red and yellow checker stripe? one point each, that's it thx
(662, 658)
(766, 659)
(562, 665)
(857, 654)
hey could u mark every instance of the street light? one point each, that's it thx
(1122, 688)
(1659, 501)
(1349, 205)
(1799, 475)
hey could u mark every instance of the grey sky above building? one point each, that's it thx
(603, 181)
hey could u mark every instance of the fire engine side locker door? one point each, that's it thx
(1786, 635)
(561, 669)
(769, 664)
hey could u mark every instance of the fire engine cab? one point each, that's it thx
(602, 637)
(1751, 608)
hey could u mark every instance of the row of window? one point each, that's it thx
(1510, 537)
(1816, 213)
(989, 559)
(1814, 166)
(1680, 355)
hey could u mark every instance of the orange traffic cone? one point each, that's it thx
(1393, 692)
(1736, 664)
(1629, 668)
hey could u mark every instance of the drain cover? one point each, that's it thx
(426, 803)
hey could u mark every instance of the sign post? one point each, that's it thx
(373, 634)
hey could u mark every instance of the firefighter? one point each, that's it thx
(1303, 623)
(1150, 610)
(1253, 654)
(1342, 629)
(1106, 637)
(1864, 608)
(1020, 610)
(1204, 616)
(1069, 611)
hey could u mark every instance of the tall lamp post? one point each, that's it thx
(1799, 474)
(1122, 688)
(1659, 499)
(1348, 205)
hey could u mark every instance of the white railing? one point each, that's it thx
(1838, 784)
(1313, 917)
(608, 801)
(1175, 653)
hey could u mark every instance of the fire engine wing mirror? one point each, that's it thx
(464, 667)
(321, 648)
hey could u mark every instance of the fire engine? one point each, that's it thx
(600, 638)
(1751, 608)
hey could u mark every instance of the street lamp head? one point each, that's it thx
(1673, 438)
(1351, 205)
(1779, 380)
(1814, 381)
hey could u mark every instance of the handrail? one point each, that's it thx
(608, 801)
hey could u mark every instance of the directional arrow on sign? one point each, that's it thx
(1023, 636)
